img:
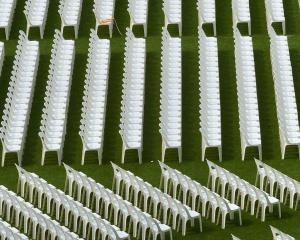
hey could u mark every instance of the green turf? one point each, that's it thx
(192, 165)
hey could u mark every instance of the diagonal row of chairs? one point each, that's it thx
(33, 222)
(17, 106)
(196, 195)
(56, 100)
(240, 191)
(10, 233)
(65, 209)
(95, 93)
(272, 181)
(142, 193)
(113, 206)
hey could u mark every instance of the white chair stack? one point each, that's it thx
(287, 112)
(31, 220)
(2, 54)
(278, 235)
(112, 205)
(94, 101)
(275, 14)
(17, 106)
(65, 207)
(172, 10)
(210, 108)
(36, 14)
(241, 13)
(247, 94)
(54, 117)
(193, 192)
(10, 233)
(6, 15)
(104, 14)
(171, 94)
(207, 13)
(142, 192)
(70, 13)
(241, 190)
(274, 181)
(132, 110)
(138, 12)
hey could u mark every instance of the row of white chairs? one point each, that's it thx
(241, 13)
(241, 190)
(35, 12)
(89, 192)
(247, 93)
(287, 112)
(18, 102)
(207, 13)
(192, 192)
(272, 180)
(173, 13)
(275, 14)
(143, 193)
(10, 233)
(104, 14)
(54, 117)
(132, 110)
(138, 12)
(2, 54)
(70, 13)
(171, 94)
(30, 219)
(65, 208)
(277, 235)
(210, 108)
(95, 93)
(6, 15)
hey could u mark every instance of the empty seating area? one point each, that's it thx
(171, 94)
(210, 107)
(95, 92)
(54, 118)
(138, 12)
(287, 112)
(19, 97)
(124, 102)
(104, 14)
(247, 93)
(36, 14)
(6, 15)
(132, 110)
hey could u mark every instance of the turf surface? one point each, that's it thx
(192, 166)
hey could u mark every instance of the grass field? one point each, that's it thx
(252, 228)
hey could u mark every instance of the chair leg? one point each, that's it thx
(123, 153)
(100, 152)
(83, 156)
(180, 154)
(3, 157)
(43, 156)
(140, 153)
(163, 151)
